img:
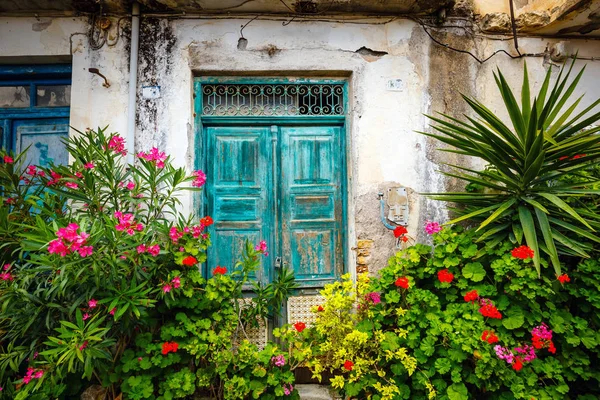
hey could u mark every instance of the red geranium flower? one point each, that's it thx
(300, 326)
(189, 261)
(564, 278)
(488, 310)
(169, 347)
(471, 296)
(522, 252)
(219, 271)
(320, 308)
(402, 282)
(348, 365)
(489, 337)
(207, 221)
(445, 276)
(518, 364)
(399, 231)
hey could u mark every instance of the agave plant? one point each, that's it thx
(523, 189)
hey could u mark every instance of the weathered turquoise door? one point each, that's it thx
(311, 203)
(239, 189)
(282, 184)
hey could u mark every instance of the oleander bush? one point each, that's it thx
(101, 284)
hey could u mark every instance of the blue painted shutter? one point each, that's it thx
(44, 139)
(311, 203)
(238, 188)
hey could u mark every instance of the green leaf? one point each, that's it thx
(443, 365)
(457, 391)
(565, 207)
(503, 207)
(474, 271)
(530, 236)
(513, 318)
(548, 239)
(472, 214)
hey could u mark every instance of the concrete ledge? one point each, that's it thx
(314, 392)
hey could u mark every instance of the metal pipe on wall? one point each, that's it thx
(133, 70)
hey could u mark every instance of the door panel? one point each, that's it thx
(311, 203)
(44, 139)
(238, 188)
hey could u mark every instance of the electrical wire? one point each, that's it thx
(479, 60)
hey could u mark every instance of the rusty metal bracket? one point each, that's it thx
(97, 72)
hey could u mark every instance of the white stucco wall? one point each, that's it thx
(384, 148)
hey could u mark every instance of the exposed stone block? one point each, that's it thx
(496, 22)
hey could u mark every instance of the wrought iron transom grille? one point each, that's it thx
(272, 99)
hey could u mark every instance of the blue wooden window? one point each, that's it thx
(34, 111)
(274, 154)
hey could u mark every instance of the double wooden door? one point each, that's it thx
(282, 184)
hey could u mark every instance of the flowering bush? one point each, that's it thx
(350, 346)
(99, 267)
(496, 330)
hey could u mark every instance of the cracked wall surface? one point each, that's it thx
(384, 148)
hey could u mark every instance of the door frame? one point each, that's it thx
(342, 121)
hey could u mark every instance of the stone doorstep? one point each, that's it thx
(314, 392)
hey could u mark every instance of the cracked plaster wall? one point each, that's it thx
(384, 149)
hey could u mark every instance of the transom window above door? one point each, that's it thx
(276, 99)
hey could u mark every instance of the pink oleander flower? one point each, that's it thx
(176, 282)
(71, 185)
(8, 159)
(58, 247)
(78, 174)
(141, 248)
(6, 276)
(83, 345)
(262, 247)
(89, 165)
(92, 303)
(69, 241)
(31, 170)
(174, 234)
(200, 178)
(6, 267)
(130, 185)
(158, 157)
(85, 316)
(432, 227)
(278, 360)
(85, 251)
(55, 178)
(153, 250)
(127, 223)
(112, 312)
(167, 288)
(117, 144)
